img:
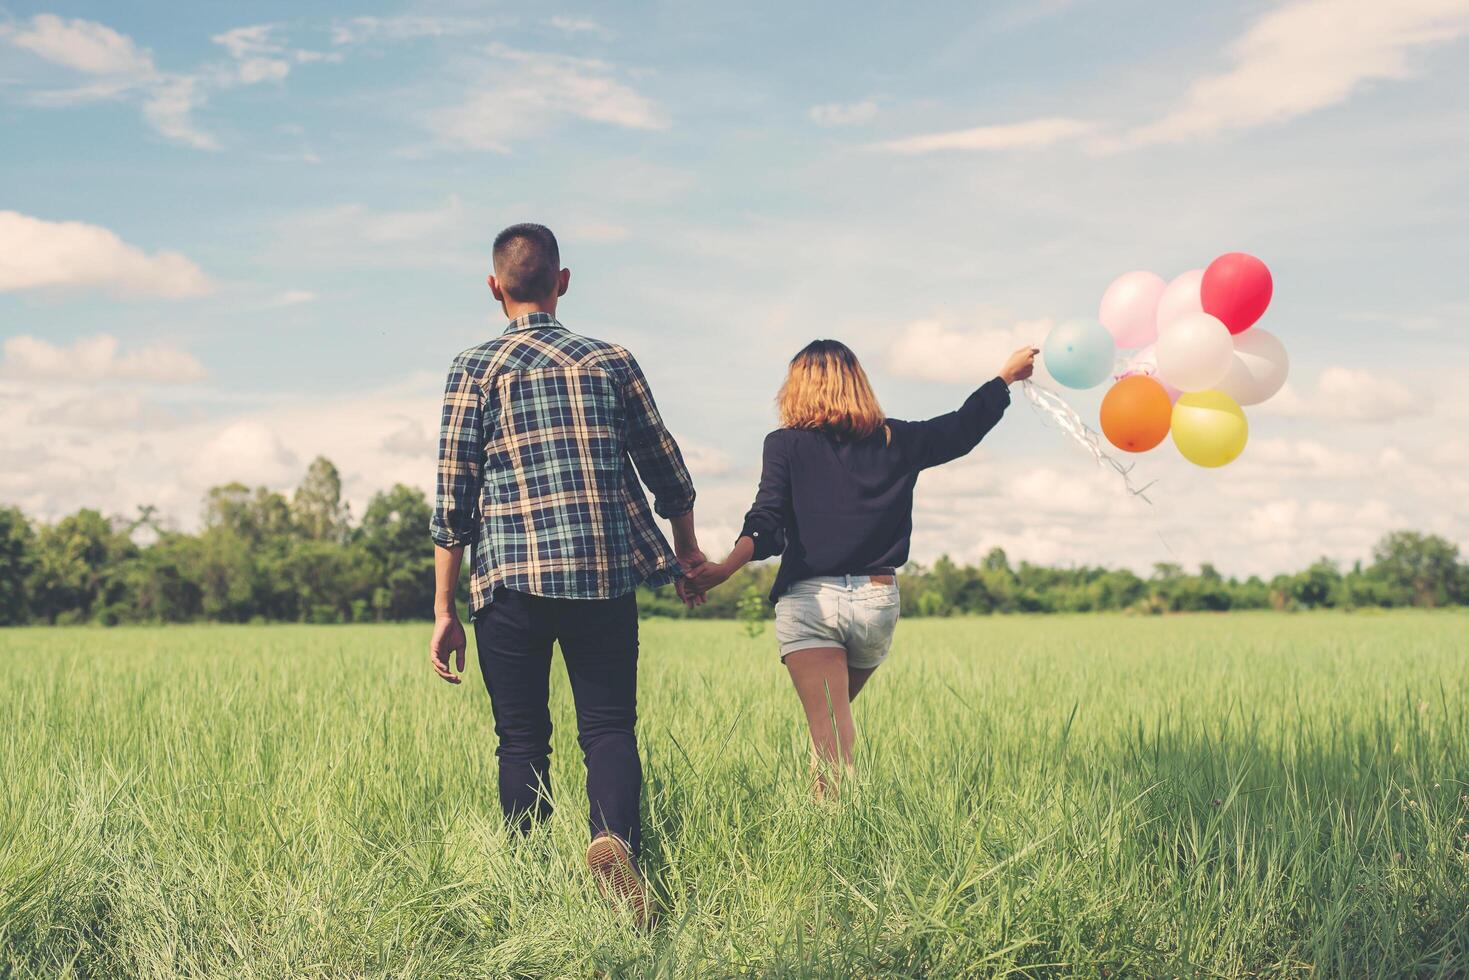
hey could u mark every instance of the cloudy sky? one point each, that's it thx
(231, 242)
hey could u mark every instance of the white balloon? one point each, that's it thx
(1194, 352)
(1258, 368)
(1183, 296)
(1129, 308)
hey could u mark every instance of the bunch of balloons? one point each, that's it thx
(1198, 357)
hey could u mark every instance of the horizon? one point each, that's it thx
(232, 245)
(145, 527)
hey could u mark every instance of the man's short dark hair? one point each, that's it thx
(527, 262)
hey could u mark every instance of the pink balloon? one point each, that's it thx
(1181, 297)
(1145, 362)
(1129, 308)
(1236, 289)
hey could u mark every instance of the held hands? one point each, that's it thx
(690, 559)
(1020, 365)
(699, 579)
(708, 575)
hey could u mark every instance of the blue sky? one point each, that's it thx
(230, 241)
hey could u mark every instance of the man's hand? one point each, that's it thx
(686, 542)
(1020, 365)
(687, 594)
(690, 558)
(448, 638)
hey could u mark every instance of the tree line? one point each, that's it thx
(261, 556)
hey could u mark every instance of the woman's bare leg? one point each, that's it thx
(820, 676)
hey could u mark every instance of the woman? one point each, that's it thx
(836, 502)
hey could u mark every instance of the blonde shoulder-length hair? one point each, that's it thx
(827, 390)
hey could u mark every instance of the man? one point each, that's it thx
(545, 433)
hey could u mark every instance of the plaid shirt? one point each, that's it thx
(542, 429)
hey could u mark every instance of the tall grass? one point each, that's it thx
(1095, 796)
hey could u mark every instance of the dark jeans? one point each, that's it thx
(599, 642)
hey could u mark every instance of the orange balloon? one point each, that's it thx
(1136, 413)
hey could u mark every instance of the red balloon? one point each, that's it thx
(1236, 289)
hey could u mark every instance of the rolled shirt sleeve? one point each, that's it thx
(656, 455)
(455, 520)
(765, 521)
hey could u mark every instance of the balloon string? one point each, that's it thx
(1055, 412)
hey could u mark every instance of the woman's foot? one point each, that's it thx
(611, 863)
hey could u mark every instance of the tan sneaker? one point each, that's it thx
(617, 875)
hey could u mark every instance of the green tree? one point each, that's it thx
(164, 580)
(995, 560)
(317, 508)
(17, 564)
(75, 577)
(255, 516)
(1318, 586)
(238, 580)
(1423, 568)
(394, 533)
(331, 581)
(1119, 589)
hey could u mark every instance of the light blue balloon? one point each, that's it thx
(1079, 354)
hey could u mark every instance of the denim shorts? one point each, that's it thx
(850, 611)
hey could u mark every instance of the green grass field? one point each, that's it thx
(1098, 796)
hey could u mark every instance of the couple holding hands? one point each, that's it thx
(547, 440)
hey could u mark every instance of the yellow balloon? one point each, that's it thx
(1209, 427)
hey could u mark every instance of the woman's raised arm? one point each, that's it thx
(949, 436)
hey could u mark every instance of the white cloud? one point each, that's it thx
(407, 27)
(1295, 59)
(597, 233)
(81, 45)
(577, 25)
(135, 449)
(933, 350)
(1054, 513)
(411, 439)
(118, 68)
(843, 113)
(355, 228)
(1305, 56)
(122, 68)
(1433, 318)
(258, 55)
(1346, 394)
(1311, 528)
(169, 108)
(294, 297)
(116, 410)
(35, 253)
(1032, 133)
(528, 89)
(1301, 459)
(98, 358)
(249, 451)
(705, 461)
(345, 235)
